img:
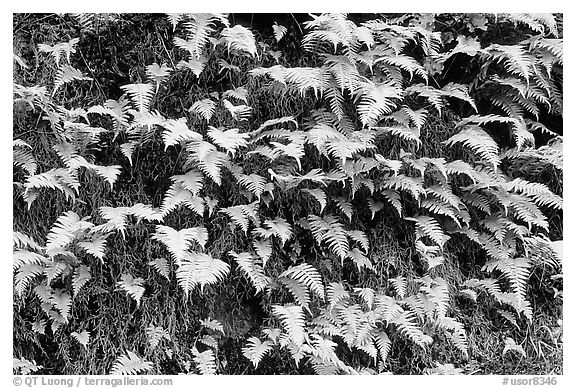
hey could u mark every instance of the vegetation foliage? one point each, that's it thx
(331, 194)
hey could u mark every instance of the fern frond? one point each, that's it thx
(359, 259)
(155, 335)
(200, 269)
(212, 324)
(253, 271)
(178, 195)
(230, 139)
(240, 93)
(292, 318)
(192, 181)
(83, 338)
(239, 39)
(179, 241)
(130, 364)
(24, 367)
(132, 286)
(205, 361)
(428, 226)
(157, 73)
(327, 229)
(64, 230)
(177, 131)
(196, 65)
(514, 58)
(406, 325)
(24, 276)
(479, 141)
(140, 94)
(67, 74)
(204, 108)
(160, 264)
(23, 157)
(81, 277)
(412, 185)
(242, 214)
(255, 350)
(374, 101)
(307, 275)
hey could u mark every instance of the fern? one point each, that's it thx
(204, 108)
(479, 141)
(130, 364)
(140, 94)
(179, 241)
(327, 229)
(177, 131)
(253, 271)
(255, 350)
(239, 39)
(161, 266)
(242, 214)
(307, 275)
(200, 269)
(230, 139)
(132, 286)
(155, 335)
(292, 318)
(83, 338)
(205, 361)
(81, 277)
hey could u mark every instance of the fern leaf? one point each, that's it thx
(24, 276)
(255, 350)
(140, 95)
(239, 39)
(130, 364)
(81, 277)
(307, 275)
(191, 181)
(157, 73)
(205, 361)
(24, 367)
(263, 248)
(239, 93)
(345, 207)
(329, 230)
(177, 131)
(319, 195)
(200, 269)
(156, 335)
(292, 318)
(230, 139)
(132, 286)
(279, 31)
(179, 241)
(336, 293)
(253, 271)
(204, 108)
(406, 325)
(428, 226)
(67, 74)
(96, 247)
(359, 259)
(212, 324)
(196, 65)
(298, 290)
(64, 230)
(242, 214)
(254, 183)
(178, 195)
(83, 338)
(161, 266)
